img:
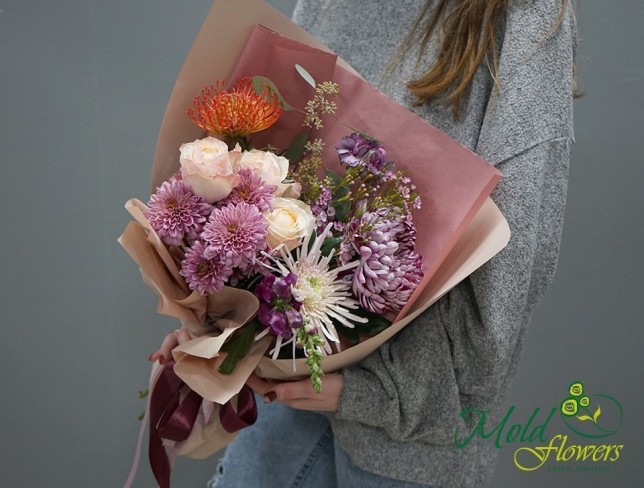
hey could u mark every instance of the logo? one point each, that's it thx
(582, 414)
(580, 441)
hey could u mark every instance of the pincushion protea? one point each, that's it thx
(238, 112)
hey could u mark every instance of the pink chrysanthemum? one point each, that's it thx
(202, 274)
(252, 190)
(174, 212)
(235, 232)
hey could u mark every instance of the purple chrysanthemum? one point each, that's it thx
(407, 276)
(389, 269)
(252, 190)
(356, 150)
(202, 274)
(236, 232)
(175, 213)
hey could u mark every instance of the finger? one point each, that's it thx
(294, 390)
(306, 405)
(168, 344)
(258, 385)
(183, 336)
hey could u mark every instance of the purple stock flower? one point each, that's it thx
(202, 274)
(252, 190)
(236, 232)
(356, 150)
(175, 213)
(278, 309)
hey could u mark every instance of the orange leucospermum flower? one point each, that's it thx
(238, 112)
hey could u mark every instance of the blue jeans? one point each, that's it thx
(288, 448)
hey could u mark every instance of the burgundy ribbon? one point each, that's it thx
(165, 394)
(245, 415)
(173, 419)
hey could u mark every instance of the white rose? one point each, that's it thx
(270, 167)
(209, 168)
(289, 223)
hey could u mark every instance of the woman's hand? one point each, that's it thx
(170, 341)
(300, 394)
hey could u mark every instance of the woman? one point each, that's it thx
(496, 75)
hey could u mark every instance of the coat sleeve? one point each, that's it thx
(466, 345)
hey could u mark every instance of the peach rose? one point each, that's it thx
(209, 168)
(289, 223)
(270, 167)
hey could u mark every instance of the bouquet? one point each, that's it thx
(298, 254)
(327, 255)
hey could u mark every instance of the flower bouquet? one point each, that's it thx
(285, 239)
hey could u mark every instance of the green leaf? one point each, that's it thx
(583, 418)
(259, 82)
(306, 75)
(343, 207)
(597, 414)
(238, 346)
(374, 326)
(351, 335)
(143, 393)
(314, 236)
(329, 244)
(297, 147)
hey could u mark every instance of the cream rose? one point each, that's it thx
(289, 222)
(270, 167)
(209, 168)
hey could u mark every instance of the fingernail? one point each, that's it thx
(150, 357)
(270, 396)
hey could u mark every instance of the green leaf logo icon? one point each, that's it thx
(597, 414)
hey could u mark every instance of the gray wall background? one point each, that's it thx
(83, 87)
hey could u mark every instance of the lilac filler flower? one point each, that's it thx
(252, 190)
(236, 232)
(174, 212)
(322, 209)
(202, 274)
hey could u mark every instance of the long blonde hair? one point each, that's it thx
(466, 32)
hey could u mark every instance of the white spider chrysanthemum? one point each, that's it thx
(324, 296)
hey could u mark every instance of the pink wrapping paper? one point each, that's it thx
(452, 181)
(460, 228)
